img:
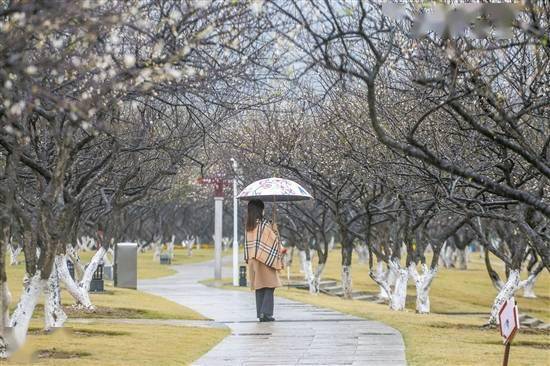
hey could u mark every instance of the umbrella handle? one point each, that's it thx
(275, 213)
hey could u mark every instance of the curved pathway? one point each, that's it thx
(302, 335)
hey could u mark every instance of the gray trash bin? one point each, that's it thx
(125, 267)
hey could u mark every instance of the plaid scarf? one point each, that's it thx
(263, 244)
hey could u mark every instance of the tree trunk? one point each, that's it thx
(399, 295)
(381, 279)
(528, 285)
(347, 252)
(346, 281)
(77, 264)
(157, 246)
(19, 322)
(14, 253)
(316, 279)
(423, 284)
(362, 253)
(506, 292)
(92, 266)
(171, 247)
(462, 258)
(54, 316)
(79, 291)
(81, 297)
(383, 276)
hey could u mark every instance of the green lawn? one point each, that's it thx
(441, 338)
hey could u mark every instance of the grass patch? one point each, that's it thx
(116, 343)
(130, 344)
(453, 334)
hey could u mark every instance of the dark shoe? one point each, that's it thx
(267, 318)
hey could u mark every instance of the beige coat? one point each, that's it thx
(262, 276)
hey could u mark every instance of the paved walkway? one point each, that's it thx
(302, 335)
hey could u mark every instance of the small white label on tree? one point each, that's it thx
(508, 320)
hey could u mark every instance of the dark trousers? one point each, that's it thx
(264, 301)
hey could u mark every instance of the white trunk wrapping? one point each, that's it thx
(92, 266)
(308, 272)
(399, 295)
(346, 282)
(462, 258)
(316, 279)
(382, 277)
(77, 264)
(22, 315)
(14, 253)
(331, 243)
(79, 291)
(171, 247)
(81, 297)
(422, 283)
(54, 316)
(302, 256)
(506, 292)
(157, 246)
(6, 301)
(362, 253)
(529, 286)
(5, 320)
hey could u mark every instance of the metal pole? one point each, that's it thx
(218, 210)
(506, 354)
(235, 236)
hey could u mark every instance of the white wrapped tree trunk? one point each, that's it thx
(92, 266)
(331, 243)
(171, 247)
(302, 256)
(14, 253)
(383, 276)
(346, 282)
(157, 246)
(422, 283)
(19, 322)
(381, 279)
(81, 297)
(316, 279)
(462, 258)
(79, 291)
(399, 295)
(6, 301)
(362, 253)
(529, 287)
(446, 256)
(189, 244)
(77, 264)
(5, 320)
(54, 316)
(307, 268)
(507, 291)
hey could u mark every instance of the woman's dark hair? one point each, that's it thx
(255, 213)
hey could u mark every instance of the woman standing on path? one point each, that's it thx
(262, 253)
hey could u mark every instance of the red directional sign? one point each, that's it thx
(218, 182)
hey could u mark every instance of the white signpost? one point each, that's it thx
(509, 325)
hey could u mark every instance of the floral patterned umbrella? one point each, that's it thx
(274, 190)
